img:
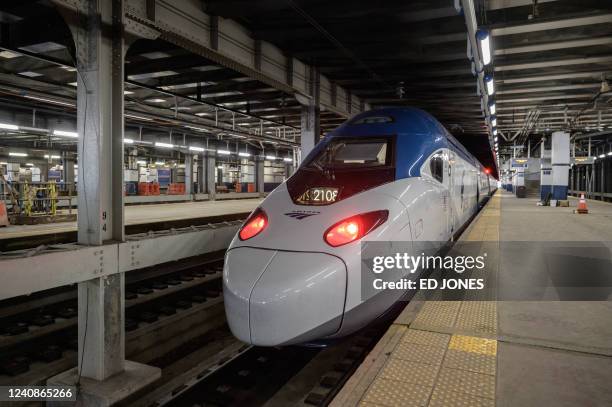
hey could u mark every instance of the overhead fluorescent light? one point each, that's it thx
(9, 54)
(495, 139)
(132, 116)
(224, 152)
(53, 157)
(271, 157)
(244, 154)
(495, 133)
(128, 92)
(6, 126)
(288, 160)
(195, 148)
(484, 39)
(30, 74)
(220, 167)
(141, 162)
(14, 154)
(155, 100)
(57, 102)
(492, 108)
(72, 84)
(494, 122)
(164, 145)
(160, 163)
(602, 156)
(63, 133)
(489, 82)
(196, 128)
(69, 68)
(610, 153)
(128, 141)
(30, 164)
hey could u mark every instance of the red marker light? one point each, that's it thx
(254, 225)
(487, 171)
(354, 228)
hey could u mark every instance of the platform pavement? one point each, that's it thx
(504, 353)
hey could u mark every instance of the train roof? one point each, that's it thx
(405, 121)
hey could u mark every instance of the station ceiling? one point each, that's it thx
(551, 61)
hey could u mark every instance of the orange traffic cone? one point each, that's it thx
(3, 215)
(582, 206)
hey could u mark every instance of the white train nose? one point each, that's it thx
(281, 298)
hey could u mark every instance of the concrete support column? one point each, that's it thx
(97, 27)
(311, 114)
(211, 176)
(100, 59)
(188, 174)
(259, 174)
(201, 174)
(560, 162)
(68, 171)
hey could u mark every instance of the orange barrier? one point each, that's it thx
(148, 188)
(582, 206)
(251, 187)
(238, 187)
(3, 215)
(176, 189)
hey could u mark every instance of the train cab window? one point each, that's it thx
(436, 167)
(353, 153)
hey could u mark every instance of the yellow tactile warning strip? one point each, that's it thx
(446, 356)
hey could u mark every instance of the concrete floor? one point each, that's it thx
(554, 352)
(140, 214)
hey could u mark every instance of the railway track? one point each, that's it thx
(166, 306)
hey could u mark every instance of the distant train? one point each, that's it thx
(292, 273)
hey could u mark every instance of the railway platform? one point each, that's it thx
(145, 214)
(487, 353)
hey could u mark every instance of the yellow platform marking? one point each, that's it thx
(473, 344)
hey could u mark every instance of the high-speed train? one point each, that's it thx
(292, 273)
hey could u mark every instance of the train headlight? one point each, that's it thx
(254, 225)
(354, 228)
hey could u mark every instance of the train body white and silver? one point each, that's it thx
(292, 274)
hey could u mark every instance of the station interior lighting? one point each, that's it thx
(610, 153)
(195, 148)
(64, 133)
(271, 157)
(53, 157)
(290, 160)
(602, 156)
(128, 141)
(495, 133)
(489, 82)
(6, 126)
(14, 154)
(493, 121)
(484, 40)
(164, 145)
(492, 108)
(141, 162)
(223, 152)
(244, 154)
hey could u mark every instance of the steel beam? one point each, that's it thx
(552, 25)
(554, 63)
(549, 46)
(100, 53)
